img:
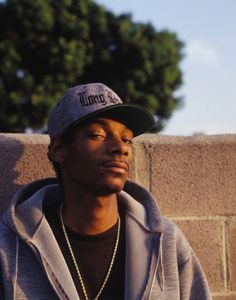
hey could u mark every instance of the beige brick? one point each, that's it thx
(193, 176)
(23, 158)
(232, 255)
(206, 238)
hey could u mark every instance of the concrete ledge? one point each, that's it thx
(23, 158)
(193, 179)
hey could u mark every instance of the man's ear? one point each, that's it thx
(58, 150)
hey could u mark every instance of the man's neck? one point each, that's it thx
(89, 214)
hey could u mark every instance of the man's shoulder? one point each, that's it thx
(171, 227)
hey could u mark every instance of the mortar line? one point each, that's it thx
(216, 294)
(135, 164)
(226, 285)
(150, 171)
(228, 254)
(145, 147)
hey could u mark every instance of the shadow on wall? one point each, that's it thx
(11, 151)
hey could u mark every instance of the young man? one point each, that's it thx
(92, 234)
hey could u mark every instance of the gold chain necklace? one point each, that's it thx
(76, 264)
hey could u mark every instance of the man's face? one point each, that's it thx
(98, 157)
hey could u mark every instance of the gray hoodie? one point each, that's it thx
(160, 264)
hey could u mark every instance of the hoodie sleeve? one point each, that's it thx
(193, 283)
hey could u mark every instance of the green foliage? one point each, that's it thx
(47, 46)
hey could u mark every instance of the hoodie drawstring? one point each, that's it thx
(16, 267)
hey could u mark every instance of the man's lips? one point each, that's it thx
(116, 166)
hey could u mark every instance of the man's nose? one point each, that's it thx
(119, 147)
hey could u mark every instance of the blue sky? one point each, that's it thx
(208, 29)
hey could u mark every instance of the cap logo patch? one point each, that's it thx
(91, 99)
(97, 98)
(112, 97)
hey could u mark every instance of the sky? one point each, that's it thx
(208, 29)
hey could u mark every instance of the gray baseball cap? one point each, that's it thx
(93, 100)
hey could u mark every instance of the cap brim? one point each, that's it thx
(133, 116)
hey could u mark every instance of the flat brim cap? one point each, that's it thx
(96, 100)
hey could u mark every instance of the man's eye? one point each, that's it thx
(97, 135)
(127, 140)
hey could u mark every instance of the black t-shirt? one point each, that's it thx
(93, 255)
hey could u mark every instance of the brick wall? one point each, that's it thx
(192, 178)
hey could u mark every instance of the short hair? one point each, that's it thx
(66, 138)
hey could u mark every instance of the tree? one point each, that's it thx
(48, 45)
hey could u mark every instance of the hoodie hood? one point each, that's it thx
(25, 212)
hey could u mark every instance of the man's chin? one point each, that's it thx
(113, 187)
